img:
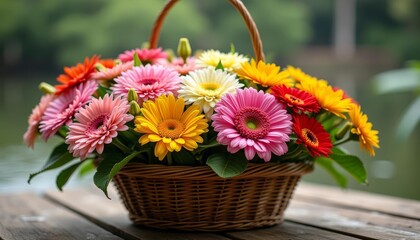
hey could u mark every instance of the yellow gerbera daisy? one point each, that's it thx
(265, 74)
(299, 76)
(328, 98)
(211, 58)
(165, 122)
(368, 138)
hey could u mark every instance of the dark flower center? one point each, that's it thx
(252, 123)
(310, 138)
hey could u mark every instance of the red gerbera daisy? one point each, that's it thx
(296, 99)
(76, 74)
(311, 133)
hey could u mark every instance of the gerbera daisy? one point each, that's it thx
(368, 138)
(230, 61)
(107, 63)
(165, 122)
(311, 134)
(298, 100)
(181, 67)
(32, 132)
(113, 72)
(146, 55)
(76, 74)
(328, 99)
(205, 87)
(148, 81)
(264, 74)
(62, 109)
(253, 121)
(97, 124)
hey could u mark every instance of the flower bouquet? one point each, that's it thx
(209, 141)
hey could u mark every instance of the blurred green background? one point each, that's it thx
(347, 42)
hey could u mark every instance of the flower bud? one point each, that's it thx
(184, 49)
(342, 131)
(99, 67)
(132, 95)
(134, 108)
(46, 88)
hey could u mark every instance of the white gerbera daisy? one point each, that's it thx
(205, 87)
(230, 61)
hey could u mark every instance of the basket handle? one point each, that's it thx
(251, 26)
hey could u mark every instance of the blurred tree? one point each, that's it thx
(394, 25)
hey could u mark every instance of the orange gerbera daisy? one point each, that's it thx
(76, 74)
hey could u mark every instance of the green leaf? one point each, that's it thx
(65, 175)
(220, 65)
(227, 165)
(111, 164)
(58, 158)
(397, 81)
(137, 61)
(409, 120)
(328, 165)
(352, 165)
(86, 167)
(102, 90)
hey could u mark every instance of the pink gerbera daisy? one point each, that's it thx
(111, 73)
(148, 81)
(145, 55)
(62, 109)
(97, 124)
(253, 121)
(32, 132)
(184, 68)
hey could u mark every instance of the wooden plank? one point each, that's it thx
(288, 230)
(112, 215)
(27, 216)
(357, 199)
(357, 223)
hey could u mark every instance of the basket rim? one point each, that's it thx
(254, 170)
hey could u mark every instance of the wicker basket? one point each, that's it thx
(195, 198)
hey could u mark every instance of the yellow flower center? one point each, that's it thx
(294, 99)
(310, 137)
(210, 86)
(170, 128)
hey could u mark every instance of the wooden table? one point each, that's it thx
(316, 212)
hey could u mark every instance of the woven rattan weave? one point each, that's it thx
(195, 198)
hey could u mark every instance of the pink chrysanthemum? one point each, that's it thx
(148, 81)
(145, 55)
(97, 124)
(32, 132)
(62, 109)
(253, 121)
(111, 73)
(184, 68)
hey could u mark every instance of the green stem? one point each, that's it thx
(169, 158)
(62, 133)
(342, 142)
(212, 144)
(120, 145)
(335, 125)
(295, 153)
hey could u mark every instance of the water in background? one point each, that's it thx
(394, 170)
